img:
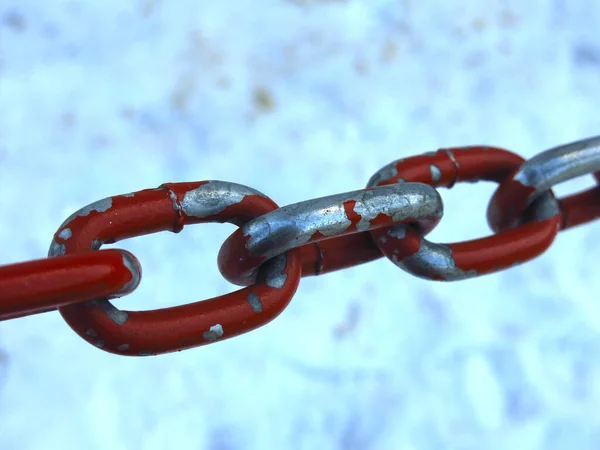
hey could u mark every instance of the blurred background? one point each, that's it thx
(300, 99)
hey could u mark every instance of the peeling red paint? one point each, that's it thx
(483, 255)
(170, 329)
(352, 215)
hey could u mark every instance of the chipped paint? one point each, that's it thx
(145, 353)
(173, 196)
(99, 344)
(296, 225)
(212, 198)
(56, 249)
(453, 159)
(99, 206)
(545, 207)
(116, 315)
(539, 174)
(433, 261)
(560, 164)
(123, 347)
(397, 232)
(214, 333)
(65, 234)
(91, 332)
(386, 173)
(132, 265)
(436, 173)
(307, 222)
(272, 273)
(130, 195)
(96, 244)
(254, 301)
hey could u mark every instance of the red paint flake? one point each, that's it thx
(414, 169)
(317, 236)
(352, 215)
(381, 220)
(407, 246)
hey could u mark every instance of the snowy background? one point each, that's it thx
(300, 99)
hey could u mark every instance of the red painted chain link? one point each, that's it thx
(275, 246)
(326, 219)
(169, 208)
(43, 285)
(414, 253)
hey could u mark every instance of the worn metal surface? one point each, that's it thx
(169, 208)
(526, 187)
(459, 261)
(327, 218)
(300, 99)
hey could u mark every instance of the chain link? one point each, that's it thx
(274, 247)
(533, 182)
(458, 261)
(325, 218)
(45, 284)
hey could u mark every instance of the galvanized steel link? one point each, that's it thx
(324, 218)
(535, 178)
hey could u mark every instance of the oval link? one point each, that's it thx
(42, 285)
(457, 261)
(538, 175)
(169, 208)
(325, 218)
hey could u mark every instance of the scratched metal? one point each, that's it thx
(300, 99)
(294, 225)
(559, 164)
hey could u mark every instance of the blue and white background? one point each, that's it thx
(301, 99)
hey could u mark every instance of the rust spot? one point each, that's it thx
(263, 100)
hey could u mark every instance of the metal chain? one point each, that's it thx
(274, 247)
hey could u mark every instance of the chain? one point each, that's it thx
(274, 247)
